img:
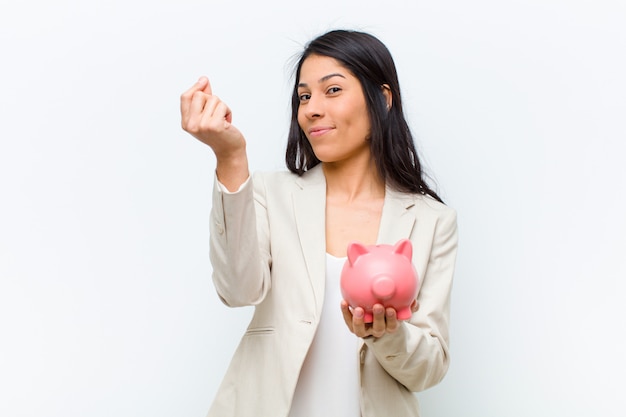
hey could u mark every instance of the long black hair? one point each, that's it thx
(391, 141)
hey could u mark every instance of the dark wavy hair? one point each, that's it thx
(391, 141)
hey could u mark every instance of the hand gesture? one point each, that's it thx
(209, 119)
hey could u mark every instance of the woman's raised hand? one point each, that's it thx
(209, 119)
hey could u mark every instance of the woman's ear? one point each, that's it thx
(387, 94)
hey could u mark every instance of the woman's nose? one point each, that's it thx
(314, 108)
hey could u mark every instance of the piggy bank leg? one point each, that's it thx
(404, 313)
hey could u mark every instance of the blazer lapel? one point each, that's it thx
(309, 201)
(397, 221)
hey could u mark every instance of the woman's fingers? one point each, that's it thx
(205, 85)
(359, 326)
(187, 97)
(203, 114)
(216, 115)
(385, 320)
(347, 314)
(379, 325)
(391, 319)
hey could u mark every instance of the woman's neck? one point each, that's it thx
(349, 183)
(354, 204)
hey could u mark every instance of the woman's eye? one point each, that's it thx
(333, 90)
(304, 96)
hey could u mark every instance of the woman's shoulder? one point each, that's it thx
(423, 205)
(430, 203)
(440, 216)
(274, 177)
(285, 177)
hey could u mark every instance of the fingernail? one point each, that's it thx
(358, 313)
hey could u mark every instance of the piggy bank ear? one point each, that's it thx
(404, 248)
(355, 250)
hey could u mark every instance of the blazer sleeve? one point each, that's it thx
(417, 355)
(239, 245)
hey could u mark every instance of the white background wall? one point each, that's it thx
(106, 304)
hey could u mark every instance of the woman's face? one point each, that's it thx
(333, 112)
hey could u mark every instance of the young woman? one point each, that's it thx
(279, 241)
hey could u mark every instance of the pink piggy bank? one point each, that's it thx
(380, 274)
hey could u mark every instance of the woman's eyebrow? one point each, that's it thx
(324, 78)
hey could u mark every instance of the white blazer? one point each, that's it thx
(268, 250)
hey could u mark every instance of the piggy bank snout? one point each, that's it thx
(383, 288)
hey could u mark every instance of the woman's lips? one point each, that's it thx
(319, 131)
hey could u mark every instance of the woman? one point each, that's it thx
(278, 241)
